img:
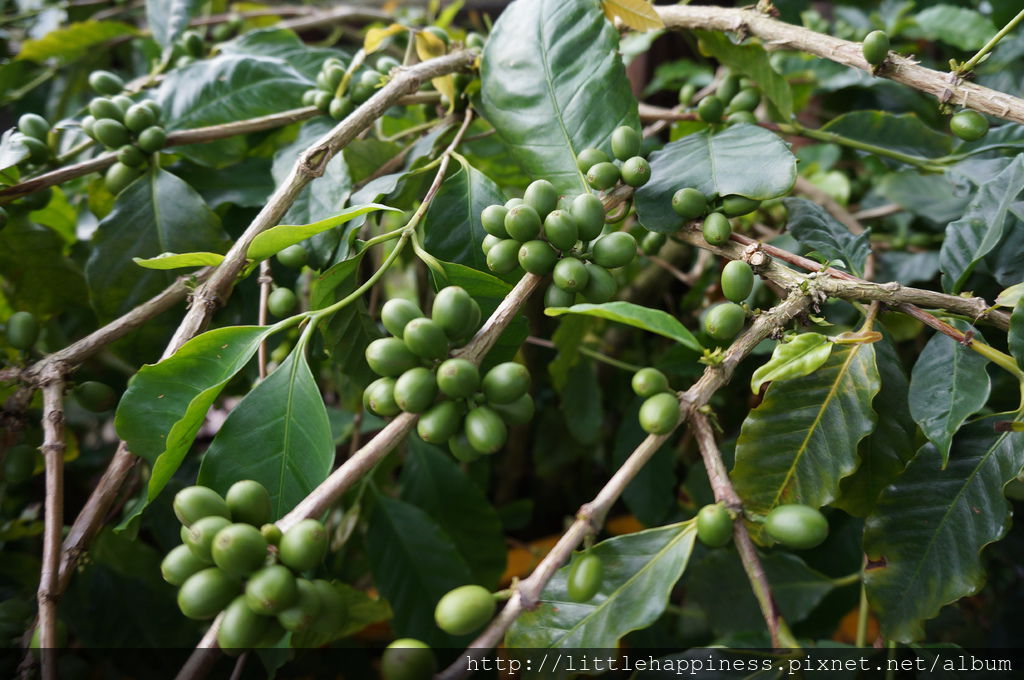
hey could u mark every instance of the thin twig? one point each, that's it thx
(880, 211)
(53, 458)
(266, 280)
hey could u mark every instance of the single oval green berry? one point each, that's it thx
(714, 525)
(105, 82)
(503, 257)
(323, 100)
(379, 398)
(968, 125)
(153, 106)
(38, 152)
(659, 414)
(239, 549)
(876, 47)
(199, 537)
(522, 223)
(603, 176)
(601, 285)
(294, 256)
(303, 546)
(518, 412)
(588, 211)
(396, 313)
(453, 312)
(180, 564)
(717, 229)
(741, 117)
(537, 257)
(303, 612)
(461, 449)
(272, 589)
(746, 100)
(38, 200)
(309, 97)
(196, 502)
(648, 382)
(625, 142)
(426, 339)
(616, 249)
(557, 297)
(333, 611)
(728, 87)
(340, 107)
(561, 230)
(636, 172)
(797, 526)
(585, 576)
(506, 382)
(131, 156)
(241, 627)
(464, 610)
(439, 423)
(20, 463)
(542, 196)
(489, 242)
(406, 658)
(485, 431)
(689, 203)
(588, 158)
(104, 109)
(458, 378)
(570, 275)
(110, 133)
(710, 109)
(686, 93)
(366, 85)
(415, 390)
(390, 357)
(88, 122)
(193, 43)
(152, 139)
(95, 396)
(513, 202)
(652, 242)
(282, 301)
(249, 502)
(22, 330)
(735, 205)
(119, 176)
(206, 593)
(737, 280)
(724, 321)
(386, 63)
(271, 534)
(492, 218)
(33, 125)
(138, 117)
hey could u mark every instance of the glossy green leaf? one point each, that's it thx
(801, 355)
(934, 197)
(963, 28)
(553, 84)
(580, 401)
(283, 44)
(638, 316)
(800, 442)
(885, 452)
(971, 237)
(278, 238)
(721, 587)
(924, 540)
(414, 563)
(179, 260)
(157, 213)
(640, 570)
(1016, 337)
(278, 435)
(166, 403)
(36, 271)
(948, 384)
(904, 132)
(73, 40)
(652, 494)
(433, 481)
(168, 19)
(815, 228)
(752, 61)
(742, 159)
(1010, 296)
(452, 227)
(12, 152)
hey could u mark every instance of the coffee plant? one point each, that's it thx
(725, 342)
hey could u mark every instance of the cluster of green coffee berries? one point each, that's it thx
(337, 92)
(794, 526)
(536, 234)
(33, 133)
(659, 414)
(119, 123)
(473, 413)
(733, 101)
(630, 167)
(226, 563)
(690, 204)
(725, 320)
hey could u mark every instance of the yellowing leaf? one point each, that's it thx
(429, 46)
(376, 36)
(637, 14)
(1010, 296)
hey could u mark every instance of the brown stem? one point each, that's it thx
(266, 280)
(53, 457)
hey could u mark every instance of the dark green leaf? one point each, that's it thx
(282, 44)
(638, 316)
(742, 159)
(904, 132)
(36, 272)
(1003, 137)
(963, 28)
(640, 570)
(924, 539)
(816, 229)
(168, 19)
(802, 440)
(553, 84)
(72, 41)
(752, 62)
(1016, 338)
(414, 563)
(157, 213)
(934, 197)
(434, 482)
(581, 403)
(947, 385)
(651, 495)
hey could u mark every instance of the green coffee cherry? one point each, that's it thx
(271, 590)
(556, 297)
(728, 87)
(271, 534)
(282, 301)
(408, 659)
(426, 339)
(506, 382)
(138, 117)
(636, 172)
(458, 378)
(737, 280)
(601, 285)
(570, 275)
(724, 321)
(746, 100)
(689, 203)
(366, 85)
(193, 43)
(105, 82)
(968, 125)
(561, 230)
(196, 502)
(616, 249)
(22, 330)
(588, 211)
(717, 229)
(518, 412)
(153, 106)
(119, 176)
(152, 139)
(390, 357)
(710, 109)
(332, 609)
(489, 241)
(440, 423)
(492, 218)
(603, 176)
(648, 382)
(396, 313)
(585, 577)
(513, 202)
(293, 257)
(522, 223)
(239, 549)
(304, 545)
(537, 257)
(542, 196)
(249, 502)
(199, 537)
(241, 627)
(485, 431)
(38, 152)
(303, 612)
(340, 107)
(95, 396)
(204, 594)
(741, 117)
(131, 156)
(625, 142)
(38, 199)
(797, 526)
(379, 398)
(180, 564)
(453, 312)
(876, 48)
(588, 158)
(20, 463)
(33, 125)
(464, 610)
(110, 133)
(714, 525)
(659, 414)
(323, 100)
(461, 449)
(503, 257)
(735, 205)
(652, 242)
(415, 390)
(386, 63)
(102, 108)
